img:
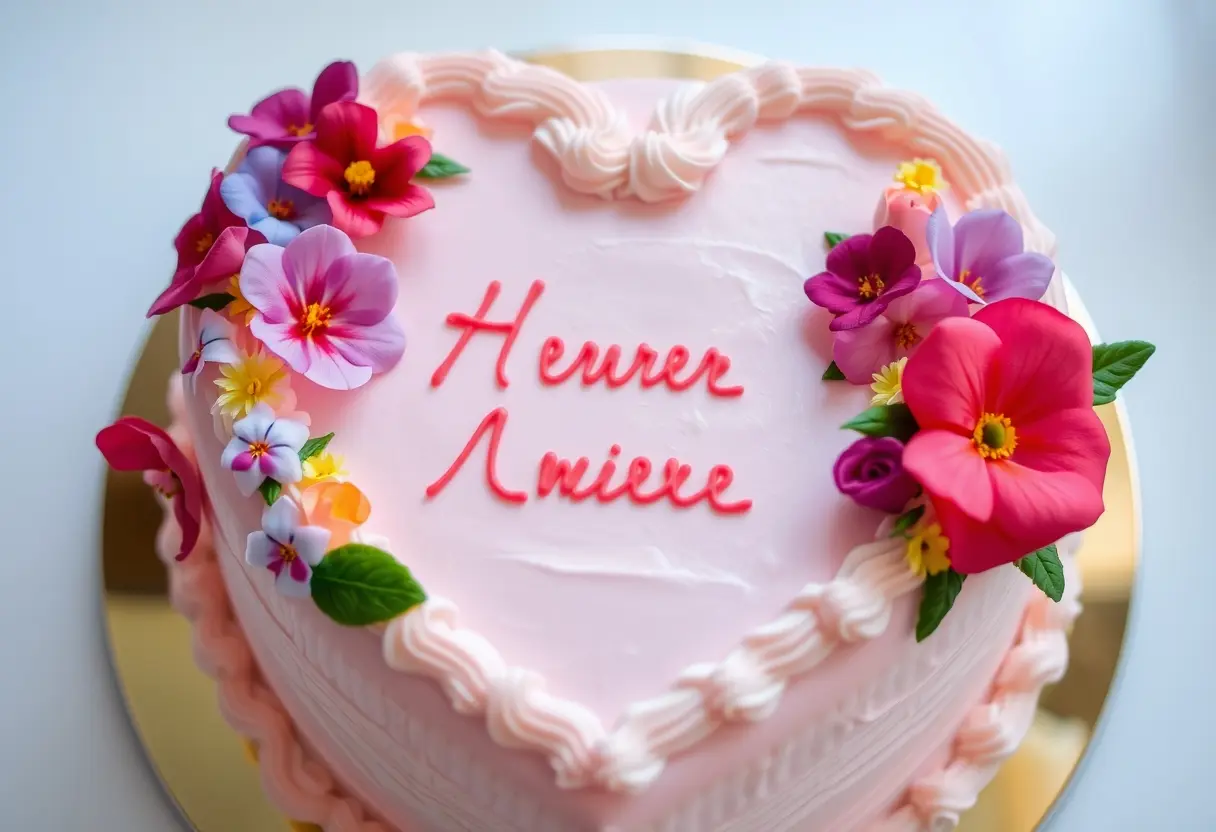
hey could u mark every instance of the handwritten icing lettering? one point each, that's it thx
(560, 474)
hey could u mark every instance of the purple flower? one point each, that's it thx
(982, 257)
(864, 274)
(263, 446)
(861, 352)
(324, 308)
(255, 192)
(289, 116)
(871, 471)
(286, 548)
(214, 344)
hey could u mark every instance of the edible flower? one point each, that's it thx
(922, 176)
(909, 211)
(927, 551)
(1010, 450)
(338, 506)
(238, 309)
(361, 182)
(287, 548)
(324, 466)
(264, 446)
(888, 383)
(249, 380)
(871, 471)
(864, 274)
(255, 191)
(214, 344)
(289, 116)
(210, 247)
(134, 444)
(897, 332)
(981, 256)
(325, 308)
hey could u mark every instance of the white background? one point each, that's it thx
(111, 113)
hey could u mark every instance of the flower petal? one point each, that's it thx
(329, 368)
(362, 289)
(1068, 440)
(287, 433)
(276, 231)
(311, 542)
(1024, 275)
(181, 289)
(283, 464)
(244, 195)
(1036, 508)
(975, 546)
(378, 347)
(944, 382)
(247, 481)
(235, 447)
(255, 426)
(225, 257)
(265, 286)
(337, 82)
(127, 445)
(311, 170)
(950, 469)
(939, 236)
(287, 108)
(860, 315)
(400, 161)
(281, 520)
(863, 351)
(189, 519)
(850, 258)
(932, 301)
(410, 201)
(984, 237)
(831, 291)
(293, 582)
(308, 259)
(261, 550)
(347, 131)
(891, 255)
(258, 129)
(356, 219)
(284, 341)
(1045, 363)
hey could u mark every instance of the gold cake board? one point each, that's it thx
(204, 766)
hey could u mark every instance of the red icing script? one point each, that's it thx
(570, 479)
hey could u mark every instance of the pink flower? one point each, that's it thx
(325, 308)
(861, 352)
(287, 548)
(1009, 449)
(908, 211)
(133, 444)
(210, 248)
(289, 116)
(214, 344)
(264, 446)
(864, 273)
(361, 182)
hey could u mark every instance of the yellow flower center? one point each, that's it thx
(973, 283)
(292, 130)
(254, 388)
(995, 436)
(359, 177)
(258, 449)
(870, 286)
(287, 552)
(906, 336)
(927, 550)
(920, 175)
(203, 244)
(315, 317)
(281, 209)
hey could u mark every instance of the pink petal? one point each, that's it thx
(189, 520)
(378, 347)
(127, 445)
(1045, 363)
(831, 291)
(943, 383)
(181, 289)
(861, 352)
(337, 82)
(974, 546)
(300, 571)
(308, 259)
(362, 289)
(950, 469)
(260, 130)
(329, 368)
(933, 301)
(1036, 508)
(1069, 440)
(308, 168)
(285, 341)
(347, 131)
(286, 108)
(850, 258)
(224, 258)
(242, 462)
(265, 285)
(411, 201)
(355, 218)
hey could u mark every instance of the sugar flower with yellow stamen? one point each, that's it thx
(888, 383)
(924, 176)
(324, 466)
(927, 550)
(238, 309)
(262, 446)
(254, 378)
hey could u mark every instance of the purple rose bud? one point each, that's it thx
(871, 471)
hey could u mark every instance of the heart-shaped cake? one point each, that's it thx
(522, 497)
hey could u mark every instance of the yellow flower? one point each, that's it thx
(323, 466)
(927, 548)
(888, 383)
(921, 175)
(258, 377)
(238, 307)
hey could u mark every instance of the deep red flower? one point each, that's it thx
(134, 444)
(210, 249)
(1010, 449)
(361, 182)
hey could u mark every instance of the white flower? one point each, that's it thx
(286, 548)
(263, 446)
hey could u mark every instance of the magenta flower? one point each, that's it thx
(982, 257)
(871, 471)
(861, 352)
(263, 446)
(289, 550)
(289, 116)
(324, 308)
(214, 344)
(864, 274)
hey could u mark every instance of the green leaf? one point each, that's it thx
(885, 420)
(940, 591)
(441, 167)
(270, 490)
(833, 238)
(217, 301)
(357, 585)
(315, 446)
(1044, 568)
(832, 373)
(1115, 364)
(907, 520)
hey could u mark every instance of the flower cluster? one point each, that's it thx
(982, 437)
(269, 260)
